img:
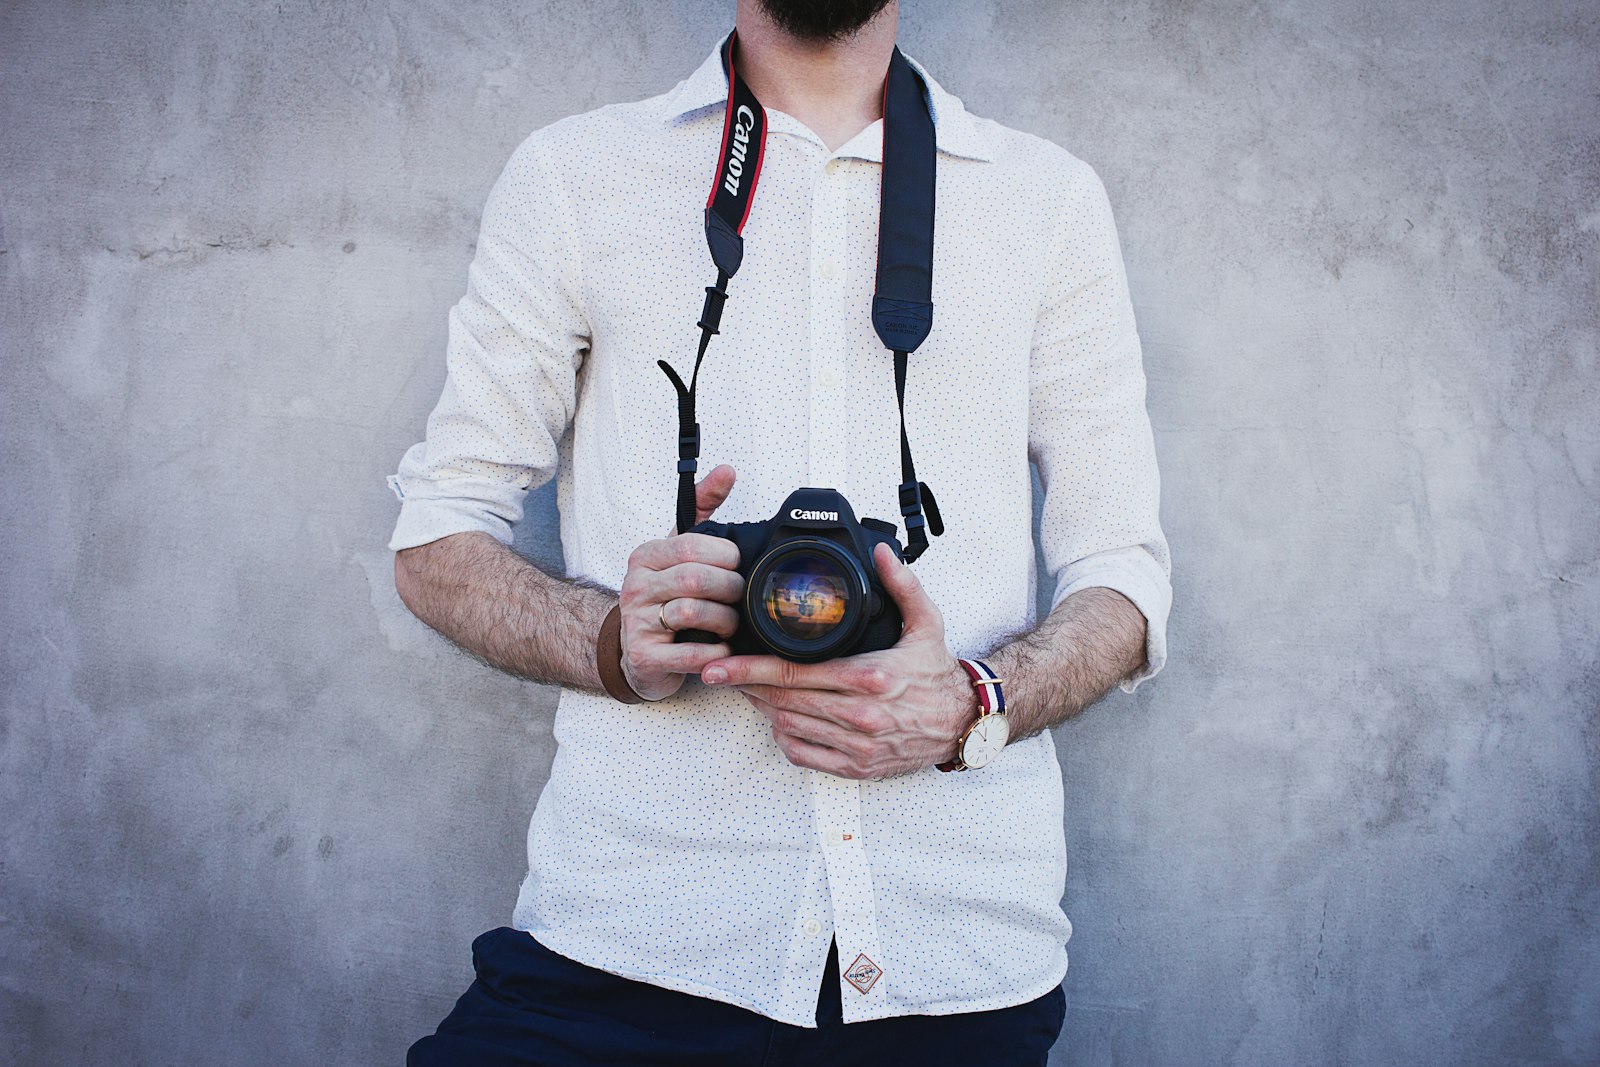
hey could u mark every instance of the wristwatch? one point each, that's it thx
(990, 731)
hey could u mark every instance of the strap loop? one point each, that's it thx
(914, 495)
(688, 428)
(935, 520)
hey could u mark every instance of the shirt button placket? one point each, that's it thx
(828, 430)
(837, 801)
(808, 944)
(837, 818)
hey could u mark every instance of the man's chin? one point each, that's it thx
(822, 21)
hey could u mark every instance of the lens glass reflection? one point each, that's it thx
(806, 596)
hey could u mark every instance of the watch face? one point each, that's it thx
(985, 740)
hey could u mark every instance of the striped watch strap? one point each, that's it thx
(991, 698)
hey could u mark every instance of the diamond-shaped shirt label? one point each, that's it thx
(863, 973)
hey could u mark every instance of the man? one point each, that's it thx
(766, 864)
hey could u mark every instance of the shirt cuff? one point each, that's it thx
(424, 519)
(1135, 574)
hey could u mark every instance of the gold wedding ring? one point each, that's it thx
(661, 614)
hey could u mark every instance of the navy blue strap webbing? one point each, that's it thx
(902, 303)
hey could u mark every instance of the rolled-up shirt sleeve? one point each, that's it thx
(1088, 432)
(517, 340)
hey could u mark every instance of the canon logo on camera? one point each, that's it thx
(802, 513)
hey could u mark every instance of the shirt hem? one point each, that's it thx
(553, 941)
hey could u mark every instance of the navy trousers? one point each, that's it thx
(531, 1006)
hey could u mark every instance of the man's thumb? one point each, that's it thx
(917, 610)
(711, 491)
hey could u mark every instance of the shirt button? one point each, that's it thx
(830, 380)
(833, 836)
(812, 927)
(829, 270)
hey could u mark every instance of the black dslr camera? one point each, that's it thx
(811, 590)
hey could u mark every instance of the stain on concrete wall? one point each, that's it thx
(254, 812)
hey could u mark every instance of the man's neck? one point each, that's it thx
(835, 88)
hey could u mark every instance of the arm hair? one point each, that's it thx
(1093, 640)
(501, 608)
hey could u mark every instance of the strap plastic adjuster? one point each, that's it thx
(689, 442)
(911, 499)
(711, 311)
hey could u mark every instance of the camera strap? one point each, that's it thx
(902, 301)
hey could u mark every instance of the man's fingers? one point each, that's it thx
(695, 581)
(803, 753)
(816, 731)
(712, 490)
(804, 701)
(839, 676)
(686, 657)
(665, 552)
(842, 715)
(805, 747)
(858, 675)
(917, 610)
(682, 613)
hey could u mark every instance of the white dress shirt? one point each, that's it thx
(674, 844)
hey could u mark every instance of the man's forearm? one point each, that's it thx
(503, 609)
(1091, 641)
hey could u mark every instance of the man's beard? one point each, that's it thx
(822, 20)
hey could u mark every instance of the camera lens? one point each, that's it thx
(806, 599)
(805, 596)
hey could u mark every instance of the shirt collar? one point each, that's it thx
(955, 131)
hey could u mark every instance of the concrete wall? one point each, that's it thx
(254, 813)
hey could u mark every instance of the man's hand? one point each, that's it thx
(679, 582)
(869, 716)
